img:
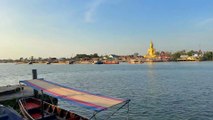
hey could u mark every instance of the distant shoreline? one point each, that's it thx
(93, 63)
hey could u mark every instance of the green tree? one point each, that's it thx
(190, 53)
(207, 56)
(95, 55)
(176, 55)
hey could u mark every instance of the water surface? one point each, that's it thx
(160, 91)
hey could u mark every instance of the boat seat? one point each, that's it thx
(36, 115)
(32, 105)
(4, 117)
(34, 110)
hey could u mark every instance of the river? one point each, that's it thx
(158, 91)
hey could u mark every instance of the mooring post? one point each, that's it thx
(34, 72)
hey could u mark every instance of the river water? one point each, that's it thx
(159, 91)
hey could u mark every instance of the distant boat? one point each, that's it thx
(111, 62)
(135, 61)
(71, 62)
(98, 62)
(7, 113)
(31, 108)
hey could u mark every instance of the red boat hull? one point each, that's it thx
(31, 108)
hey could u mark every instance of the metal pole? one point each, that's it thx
(128, 111)
(127, 102)
(93, 116)
(34, 73)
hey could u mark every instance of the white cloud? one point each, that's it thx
(89, 14)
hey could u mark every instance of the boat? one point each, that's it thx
(71, 62)
(135, 61)
(35, 109)
(7, 113)
(98, 62)
(111, 62)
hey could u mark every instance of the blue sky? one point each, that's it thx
(63, 28)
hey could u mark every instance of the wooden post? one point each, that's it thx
(34, 73)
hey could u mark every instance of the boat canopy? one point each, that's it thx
(85, 99)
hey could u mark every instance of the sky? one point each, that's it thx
(64, 28)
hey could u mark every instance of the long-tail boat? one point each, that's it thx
(36, 109)
(33, 109)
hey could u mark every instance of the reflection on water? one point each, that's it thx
(151, 79)
(159, 91)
